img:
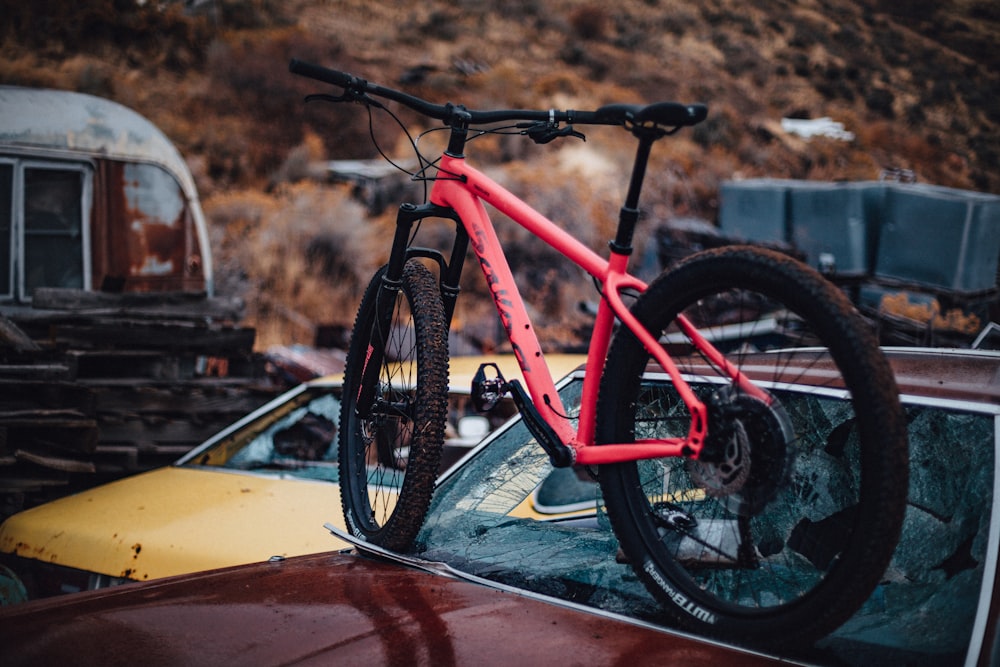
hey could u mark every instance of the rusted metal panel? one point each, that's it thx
(152, 243)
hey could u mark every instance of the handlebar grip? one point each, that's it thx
(326, 75)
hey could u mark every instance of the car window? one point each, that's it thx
(923, 613)
(298, 439)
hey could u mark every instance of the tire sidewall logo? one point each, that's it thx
(682, 601)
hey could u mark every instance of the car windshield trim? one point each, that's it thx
(950, 404)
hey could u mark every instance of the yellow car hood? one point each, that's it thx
(177, 520)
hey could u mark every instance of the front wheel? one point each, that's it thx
(393, 414)
(787, 522)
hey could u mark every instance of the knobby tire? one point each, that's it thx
(783, 538)
(390, 449)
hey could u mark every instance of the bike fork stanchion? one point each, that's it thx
(392, 282)
(450, 272)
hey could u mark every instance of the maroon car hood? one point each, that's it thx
(331, 609)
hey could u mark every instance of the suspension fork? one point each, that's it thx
(392, 281)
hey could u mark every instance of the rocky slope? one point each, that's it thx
(915, 83)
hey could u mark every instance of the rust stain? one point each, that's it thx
(151, 241)
(155, 249)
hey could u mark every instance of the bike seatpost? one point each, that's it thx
(629, 214)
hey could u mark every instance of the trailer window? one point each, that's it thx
(6, 230)
(44, 226)
(53, 228)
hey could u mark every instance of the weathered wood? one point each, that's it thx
(189, 399)
(21, 484)
(11, 336)
(78, 435)
(55, 462)
(138, 304)
(40, 416)
(162, 430)
(103, 385)
(133, 334)
(41, 395)
(36, 371)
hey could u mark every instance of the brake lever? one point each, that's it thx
(544, 132)
(348, 96)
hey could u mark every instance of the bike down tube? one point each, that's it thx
(510, 306)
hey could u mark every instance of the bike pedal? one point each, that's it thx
(487, 391)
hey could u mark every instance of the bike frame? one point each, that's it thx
(463, 189)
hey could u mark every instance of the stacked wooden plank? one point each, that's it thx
(94, 386)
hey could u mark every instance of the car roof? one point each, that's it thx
(951, 374)
(334, 608)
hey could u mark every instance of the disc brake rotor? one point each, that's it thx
(754, 455)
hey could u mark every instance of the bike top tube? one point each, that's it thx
(667, 114)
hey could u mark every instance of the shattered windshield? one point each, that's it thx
(508, 516)
(298, 439)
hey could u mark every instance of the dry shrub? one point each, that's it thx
(299, 258)
(890, 144)
(256, 95)
(23, 69)
(150, 34)
(589, 22)
(503, 87)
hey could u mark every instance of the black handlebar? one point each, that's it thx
(669, 114)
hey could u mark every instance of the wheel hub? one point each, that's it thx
(725, 477)
(750, 447)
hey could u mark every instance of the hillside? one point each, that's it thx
(914, 82)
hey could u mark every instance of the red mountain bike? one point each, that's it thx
(722, 480)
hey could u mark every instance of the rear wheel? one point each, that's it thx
(787, 523)
(393, 415)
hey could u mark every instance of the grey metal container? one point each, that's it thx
(939, 237)
(835, 225)
(755, 210)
